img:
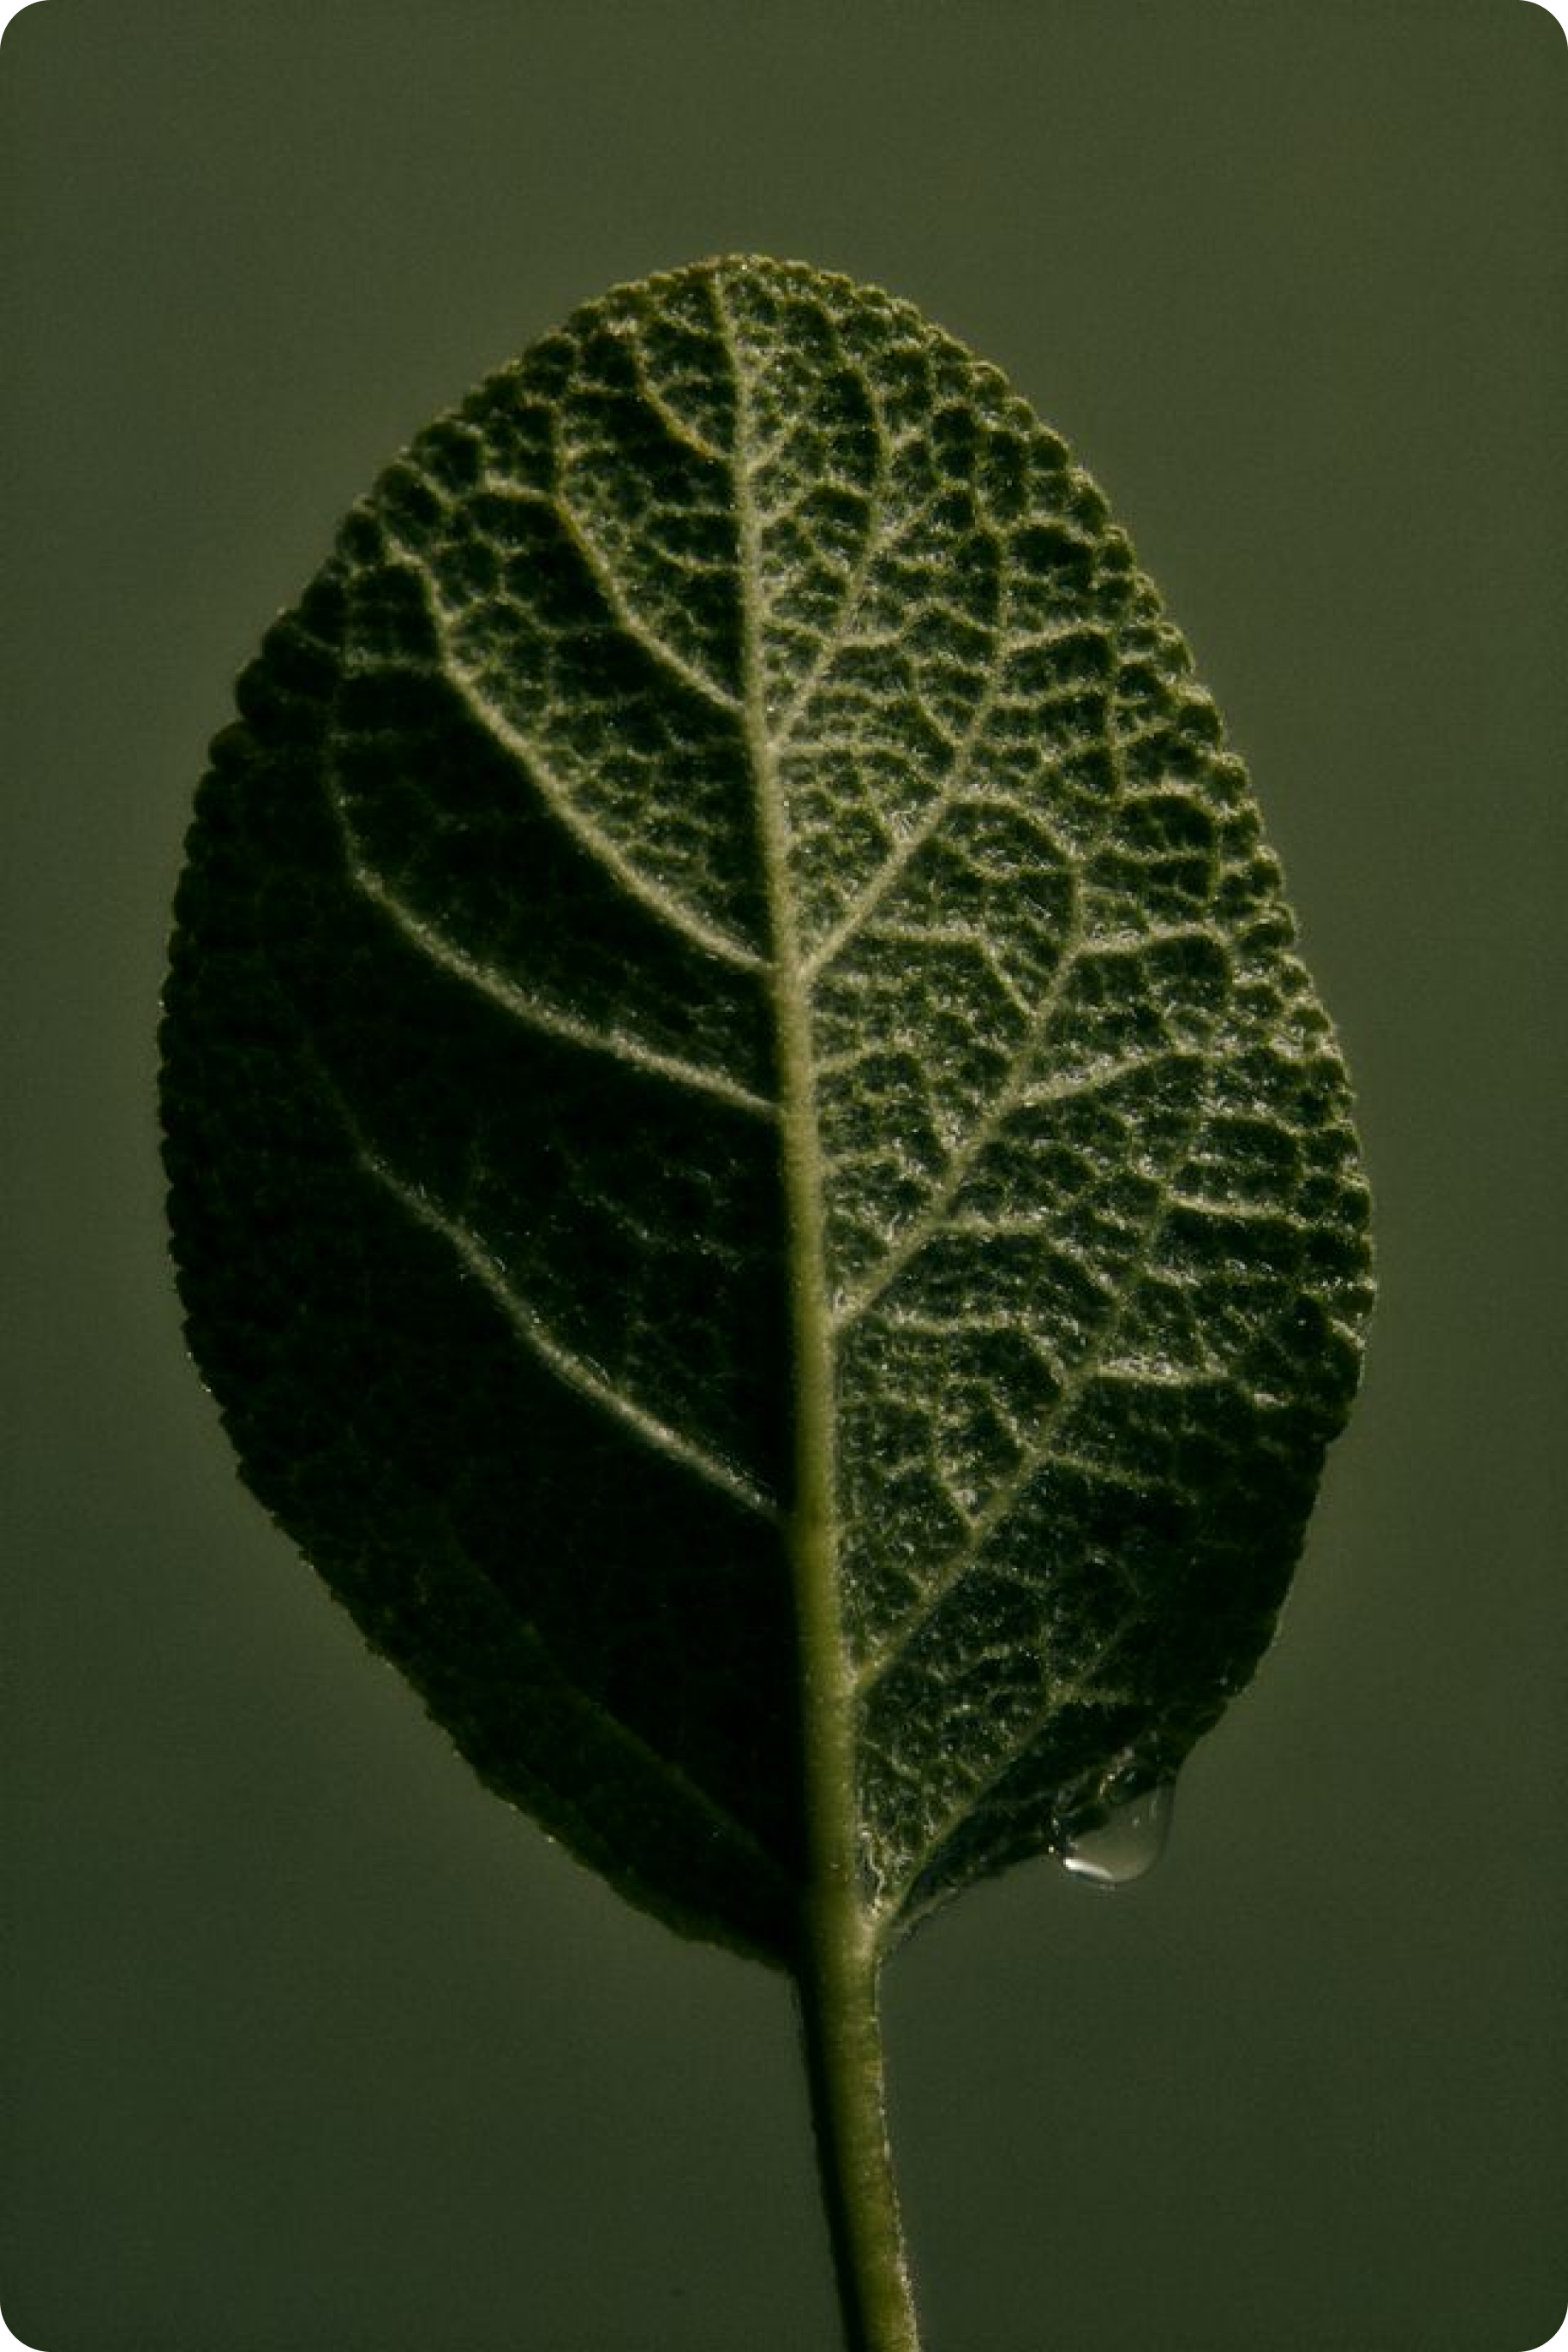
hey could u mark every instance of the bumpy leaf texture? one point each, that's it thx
(729, 848)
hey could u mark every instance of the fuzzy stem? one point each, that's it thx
(842, 2037)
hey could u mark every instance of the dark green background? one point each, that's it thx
(310, 2045)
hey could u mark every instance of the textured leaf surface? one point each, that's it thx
(742, 1113)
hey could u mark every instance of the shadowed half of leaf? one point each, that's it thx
(752, 1164)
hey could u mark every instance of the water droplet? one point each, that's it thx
(1128, 1839)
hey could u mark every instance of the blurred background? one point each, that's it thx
(309, 2044)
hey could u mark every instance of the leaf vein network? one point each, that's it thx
(1041, 1453)
(522, 1004)
(555, 794)
(573, 1370)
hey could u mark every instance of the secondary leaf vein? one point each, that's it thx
(553, 792)
(569, 1367)
(534, 1011)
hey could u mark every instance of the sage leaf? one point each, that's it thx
(752, 1164)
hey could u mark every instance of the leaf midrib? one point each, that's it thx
(835, 1923)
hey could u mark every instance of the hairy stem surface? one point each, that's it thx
(843, 2038)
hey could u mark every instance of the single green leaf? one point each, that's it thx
(752, 1164)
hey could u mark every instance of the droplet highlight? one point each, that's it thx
(1126, 1842)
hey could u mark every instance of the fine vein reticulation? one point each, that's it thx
(821, 1165)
